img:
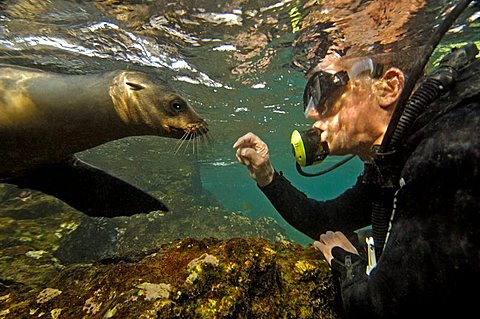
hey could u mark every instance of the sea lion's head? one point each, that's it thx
(150, 106)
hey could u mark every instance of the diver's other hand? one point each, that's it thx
(333, 239)
(253, 153)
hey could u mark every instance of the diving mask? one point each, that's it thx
(319, 87)
(322, 85)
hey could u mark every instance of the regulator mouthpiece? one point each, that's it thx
(307, 147)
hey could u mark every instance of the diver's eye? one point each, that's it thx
(178, 105)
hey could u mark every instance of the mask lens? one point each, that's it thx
(319, 87)
(313, 93)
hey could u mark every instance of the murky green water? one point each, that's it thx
(232, 60)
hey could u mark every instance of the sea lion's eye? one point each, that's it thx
(178, 105)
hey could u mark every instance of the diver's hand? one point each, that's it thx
(253, 153)
(332, 239)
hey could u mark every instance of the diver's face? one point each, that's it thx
(346, 124)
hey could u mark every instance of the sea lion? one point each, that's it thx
(45, 118)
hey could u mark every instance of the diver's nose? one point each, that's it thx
(312, 113)
(310, 110)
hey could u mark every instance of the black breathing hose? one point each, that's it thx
(331, 168)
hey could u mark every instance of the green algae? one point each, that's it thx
(189, 278)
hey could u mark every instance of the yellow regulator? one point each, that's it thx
(307, 147)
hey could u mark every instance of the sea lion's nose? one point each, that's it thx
(200, 126)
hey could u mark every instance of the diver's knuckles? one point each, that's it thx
(251, 138)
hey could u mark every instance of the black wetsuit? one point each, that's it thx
(431, 262)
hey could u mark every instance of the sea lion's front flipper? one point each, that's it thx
(90, 190)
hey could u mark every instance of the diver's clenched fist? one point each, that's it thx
(253, 153)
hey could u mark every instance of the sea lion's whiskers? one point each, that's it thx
(180, 141)
(196, 140)
(188, 142)
(206, 138)
(200, 133)
(194, 136)
(200, 140)
(209, 138)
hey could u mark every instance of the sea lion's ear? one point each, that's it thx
(135, 86)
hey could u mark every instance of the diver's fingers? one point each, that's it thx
(248, 139)
(344, 242)
(251, 155)
(331, 239)
(325, 250)
(241, 159)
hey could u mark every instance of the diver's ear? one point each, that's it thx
(135, 86)
(389, 87)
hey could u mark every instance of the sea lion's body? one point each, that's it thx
(46, 117)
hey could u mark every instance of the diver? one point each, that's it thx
(419, 190)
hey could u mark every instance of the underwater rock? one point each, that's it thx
(96, 238)
(237, 278)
